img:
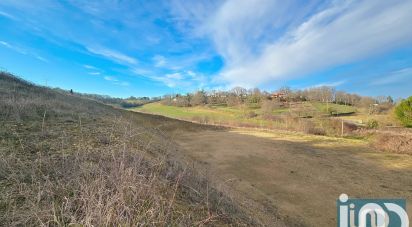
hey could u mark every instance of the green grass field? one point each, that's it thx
(187, 113)
(336, 108)
(238, 116)
(207, 114)
(234, 113)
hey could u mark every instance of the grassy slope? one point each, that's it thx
(215, 114)
(340, 109)
(67, 160)
(235, 116)
(190, 112)
(230, 112)
(363, 117)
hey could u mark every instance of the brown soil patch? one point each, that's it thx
(299, 176)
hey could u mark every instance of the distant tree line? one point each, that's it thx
(257, 98)
(129, 102)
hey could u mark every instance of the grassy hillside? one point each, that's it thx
(287, 117)
(66, 160)
(210, 114)
(333, 108)
(237, 113)
(191, 112)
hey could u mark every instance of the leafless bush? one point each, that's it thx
(205, 119)
(395, 143)
(333, 127)
(197, 118)
(251, 114)
(309, 127)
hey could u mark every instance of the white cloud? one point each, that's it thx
(122, 83)
(12, 47)
(116, 81)
(174, 76)
(191, 73)
(89, 67)
(93, 70)
(183, 79)
(394, 77)
(172, 80)
(23, 51)
(40, 58)
(113, 55)
(111, 78)
(141, 72)
(159, 60)
(261, 42)
(5, 44)
(7, 15)
(330, 84)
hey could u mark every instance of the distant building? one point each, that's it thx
(277, 95)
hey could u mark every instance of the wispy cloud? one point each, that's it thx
(191, 44)
(113, 55)
(23, 51)
(12, 47)
(398, 76)
(159, 61)
(93, 70)
(40, 58)
(111, 78)
(122, 83)
(141, 71)
(4, 14)
(116, 81)
(89, 67)
(330, 84)
(181, 79)
(262, 42)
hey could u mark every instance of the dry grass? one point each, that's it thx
(234, 117)
(71, 161)
(300, 175)
(393, 142)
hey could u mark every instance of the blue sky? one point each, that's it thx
(150, 48)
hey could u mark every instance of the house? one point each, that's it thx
(277, 95)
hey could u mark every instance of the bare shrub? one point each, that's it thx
(291, 122)
(233, 100)
(310, 128)
(251, 114)
(205, 119)
(199, 98)
(395, 143)
(268, 106)
(182, 101)
(333, 127)
(317, 131)
(197, 118)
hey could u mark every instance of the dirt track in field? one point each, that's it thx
(297, 177)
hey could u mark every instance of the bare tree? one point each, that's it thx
(239, 91)
(199, 98)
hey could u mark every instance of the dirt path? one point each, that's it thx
(301, 176)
